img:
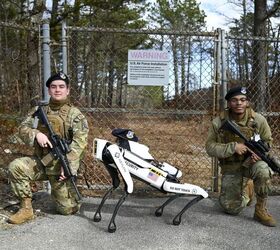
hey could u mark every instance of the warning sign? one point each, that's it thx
(148, 67)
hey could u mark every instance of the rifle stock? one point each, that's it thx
(258, 147)
(60, 148)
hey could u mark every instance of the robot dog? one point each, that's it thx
(130, 159)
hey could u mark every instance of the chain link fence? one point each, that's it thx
(19, 83)
(172, 120)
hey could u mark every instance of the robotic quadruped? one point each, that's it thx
(129, 158)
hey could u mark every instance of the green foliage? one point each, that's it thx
(145, 96)
(178, 14)
(155, 94)
(111, 13)
(244, 25)
(22, 11)
(9, 10)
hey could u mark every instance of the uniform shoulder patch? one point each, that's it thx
(79, 118)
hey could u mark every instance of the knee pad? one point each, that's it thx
(261, 170)
(21, 166)
(263, 188)
(12, 166)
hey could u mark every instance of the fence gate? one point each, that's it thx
(172, 120)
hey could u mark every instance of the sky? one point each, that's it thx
(219, 12)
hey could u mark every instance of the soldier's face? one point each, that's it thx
(58, 90)
(238, 104)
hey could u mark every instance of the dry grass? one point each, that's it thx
(179, 142)
(176, 140)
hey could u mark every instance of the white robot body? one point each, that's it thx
(140, 149)
(130, 159)
(130, 163)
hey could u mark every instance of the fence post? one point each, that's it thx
(217, 103)
(217, 81)
(221, 81)
(223, 67)
(46, 72)
(64, 47)
(46, 57)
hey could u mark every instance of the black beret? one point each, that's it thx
(58, 76)
(235, 91)
(126, 134)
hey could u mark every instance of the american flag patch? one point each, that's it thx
(152, 176)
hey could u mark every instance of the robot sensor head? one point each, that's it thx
(126, 134)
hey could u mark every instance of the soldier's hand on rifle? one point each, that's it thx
(240, 149)
(43, 140)
(62, 177)
(254, 157)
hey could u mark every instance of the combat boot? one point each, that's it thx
(261, 214)
(250, 193)
(24, 214)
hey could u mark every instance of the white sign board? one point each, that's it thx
(148, 67)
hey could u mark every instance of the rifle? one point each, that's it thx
(60, 147)
(256, 145)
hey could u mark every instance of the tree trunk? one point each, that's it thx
(74, 48)
(275, 67)
(183, 66)
(33, 70)
(189, 67)
(175, 63)
(111, 78)
(258, 84)
(119, 88)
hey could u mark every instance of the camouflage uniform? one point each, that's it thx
(236, 169)
(68, 122)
